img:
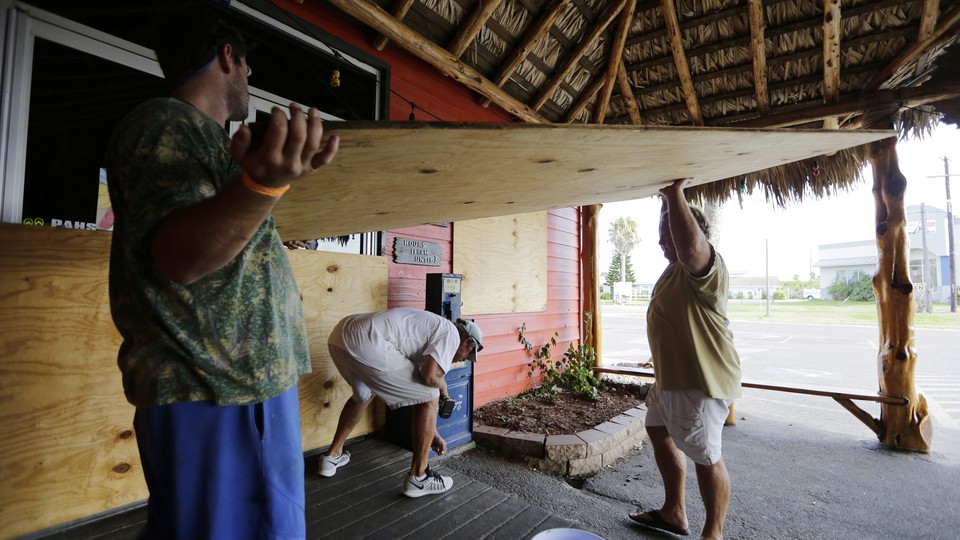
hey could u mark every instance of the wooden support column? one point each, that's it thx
(906, 427)
(589, 273)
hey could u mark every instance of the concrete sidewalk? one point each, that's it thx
(810, 470)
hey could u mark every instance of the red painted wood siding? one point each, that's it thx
(502, 368)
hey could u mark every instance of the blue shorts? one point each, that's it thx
(223, 472)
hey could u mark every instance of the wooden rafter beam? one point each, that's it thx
(758, 50)
(928, 21)
(857, 104)
(529, 41)
(631, 101)
(584, 98)
(381, 21)
(916, 49)
(473, 25)
(399, 11)
(614, 61)
(589, 39)
(674, 37)
(831, 56)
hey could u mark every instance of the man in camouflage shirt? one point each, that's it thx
(204, 297)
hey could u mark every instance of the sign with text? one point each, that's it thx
(409, 251)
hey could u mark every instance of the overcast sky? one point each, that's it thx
(794, 233)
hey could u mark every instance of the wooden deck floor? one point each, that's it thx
(364, 501)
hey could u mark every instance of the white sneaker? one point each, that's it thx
(329, 464)
(431, 484)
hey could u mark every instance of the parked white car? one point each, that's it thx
(810, 294)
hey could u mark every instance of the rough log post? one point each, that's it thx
(903, 427)
(589, 273)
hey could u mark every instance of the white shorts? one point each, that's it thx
(398, 386)
(693, 420)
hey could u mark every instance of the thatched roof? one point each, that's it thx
(751, 63)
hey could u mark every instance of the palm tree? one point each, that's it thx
(624, 236)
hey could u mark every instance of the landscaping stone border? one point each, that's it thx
(586, 452)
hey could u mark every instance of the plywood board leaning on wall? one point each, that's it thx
(504, 263)
(391, 175)
(334, 285)
(68, 449)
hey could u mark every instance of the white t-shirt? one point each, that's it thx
(376, 338)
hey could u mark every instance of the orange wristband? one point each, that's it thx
(257, 187)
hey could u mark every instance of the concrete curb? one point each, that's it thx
(583, 453)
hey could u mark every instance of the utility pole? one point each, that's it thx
(924, 262)
(950, 237)
(950, 240)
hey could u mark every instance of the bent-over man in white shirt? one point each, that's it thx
(400, 355)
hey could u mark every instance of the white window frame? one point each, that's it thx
(24, 23)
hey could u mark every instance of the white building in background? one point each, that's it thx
(849, 261)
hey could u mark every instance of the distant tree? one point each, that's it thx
(612, 275)
(624, 235)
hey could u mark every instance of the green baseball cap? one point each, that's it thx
(470, 330)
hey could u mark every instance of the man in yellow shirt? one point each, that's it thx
(697, 369)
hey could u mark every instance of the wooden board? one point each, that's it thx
(334, 285)
(504, 263)
(393, 175)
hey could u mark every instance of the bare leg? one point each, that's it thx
(673, 469)
(423, 430)
(349, 418)
(714, 482)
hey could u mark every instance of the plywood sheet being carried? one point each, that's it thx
(504, 263)
(393, 175)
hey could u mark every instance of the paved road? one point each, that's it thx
(801, 466)
(838, 355)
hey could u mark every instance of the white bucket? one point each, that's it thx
(565, 534)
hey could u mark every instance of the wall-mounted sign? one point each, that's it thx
(409, 251)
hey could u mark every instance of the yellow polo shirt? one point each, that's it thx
(689, 334)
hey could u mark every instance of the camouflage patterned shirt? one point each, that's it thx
(236, 336)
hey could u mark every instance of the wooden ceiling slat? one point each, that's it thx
(530, 40)
(777, 61)
(689, 24)
(675, 38)
(399, 11)
(831, 57)
(470, 29)
(585, 97)
(614, 57)
(748, 92)
(633, 109)
(917, 48)
(571, 59)
(853, 104)
(381, 21)
(758, 52)
(771, 33)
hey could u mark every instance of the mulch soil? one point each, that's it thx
(564, 413)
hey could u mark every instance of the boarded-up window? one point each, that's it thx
(504, 263)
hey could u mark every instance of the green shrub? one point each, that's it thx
(572, 371)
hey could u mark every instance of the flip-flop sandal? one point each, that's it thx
(657, 523)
